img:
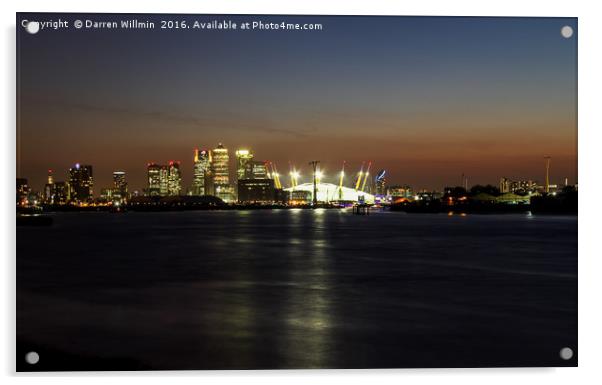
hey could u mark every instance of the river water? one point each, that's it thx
(296, 289)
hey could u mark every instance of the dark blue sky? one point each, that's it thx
(427, 98)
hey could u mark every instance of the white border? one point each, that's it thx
(590, 64)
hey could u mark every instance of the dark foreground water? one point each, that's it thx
(296, 289)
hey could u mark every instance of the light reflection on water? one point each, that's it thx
(308, 334)
(299, 288)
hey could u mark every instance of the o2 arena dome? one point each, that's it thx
(328, 192)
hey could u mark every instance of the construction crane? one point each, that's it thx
(366, 176)
(359, 177)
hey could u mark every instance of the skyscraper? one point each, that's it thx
(220, 169)
(200, 172)
(254, 183)
(49, 189)
(259, 170)
(81, 183)
(120, 185)
(22, 191)
(220, 166)
(154, 179)
(61, 193)
(380, 182)
(243, 164)
(174, 184)
(163, 181)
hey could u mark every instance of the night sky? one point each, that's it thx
(425, 98)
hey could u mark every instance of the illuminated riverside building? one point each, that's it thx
(255, 184)
(22, 191)
(106, 194)
(61, 193)
(220, 173)
(55, 193)
(81, 183)
(164, 180)
(225, 193)
(520, 186)
(49, 189)
(200, 172)
(380, 182)
(174, 179)
(256, 191)
(220, 166)
(154, 171)
(404, 191)
(259, 170)
(120, 186)
(328, 192)
(244, 159)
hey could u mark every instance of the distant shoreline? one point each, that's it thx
(519, 209)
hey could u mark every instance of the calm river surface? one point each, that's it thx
(296, 289)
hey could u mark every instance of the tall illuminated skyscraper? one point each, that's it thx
(49, 189)
(200, 172)
(220, 170)
(22, 191)
(380, 182)
(244, 160)
(154, 179)
(220, 162)
(164, 181)
(174, 184)
(81, 183)
(61, 193)
(120, 185)
(259, 170)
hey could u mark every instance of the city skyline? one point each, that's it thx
(432, 99)
(180, 186)
(166, 179)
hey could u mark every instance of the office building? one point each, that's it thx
(174, 184)
(154, 172)
(120, 186)
(243, 164)
(81, 183)
(518, 187)
(258, 170)
(220, 173)
(23, 191)
(164, 180)
(256, 191)
(106, 194)
(220, 162)
(380, 182)
(404, 191)
(200, 172)
(48, 195)
(61, 193)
